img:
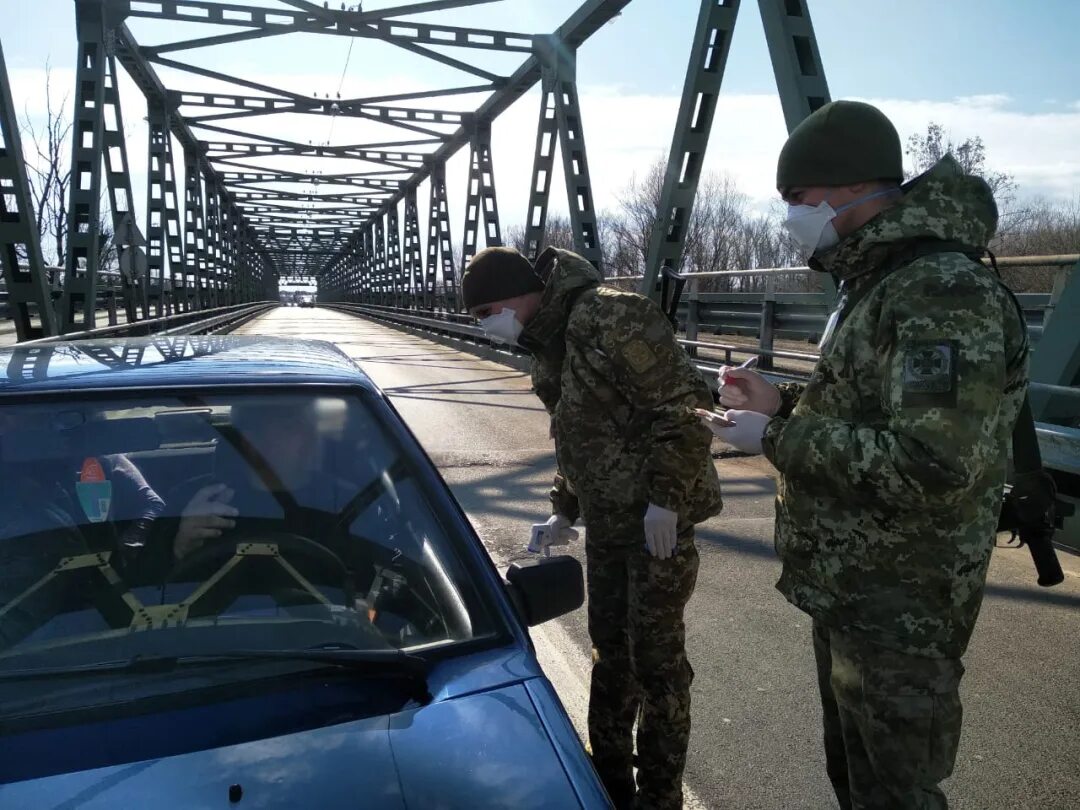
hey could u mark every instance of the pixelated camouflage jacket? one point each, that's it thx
(893, 457)
(622, 393)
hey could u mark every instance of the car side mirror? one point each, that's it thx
(546, 588)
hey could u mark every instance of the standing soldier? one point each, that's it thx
(892, 458)
(634, 461)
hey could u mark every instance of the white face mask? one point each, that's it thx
(811, 225)
(502, 328)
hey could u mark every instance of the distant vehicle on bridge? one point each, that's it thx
(304, 618)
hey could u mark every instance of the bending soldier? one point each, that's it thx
(634, 463)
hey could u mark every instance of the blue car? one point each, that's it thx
(229, 576)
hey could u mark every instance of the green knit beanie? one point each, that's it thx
(842, 143)
(495, 274)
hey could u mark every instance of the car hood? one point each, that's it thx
(489, 749)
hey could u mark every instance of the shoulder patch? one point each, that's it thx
(639, 356)
(929, 374)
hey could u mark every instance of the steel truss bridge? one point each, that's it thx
(228, 218)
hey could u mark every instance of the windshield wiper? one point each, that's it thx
(366, 663)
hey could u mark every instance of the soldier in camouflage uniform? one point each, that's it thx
(634, 463)
(892, 458)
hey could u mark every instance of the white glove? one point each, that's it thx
(660, 531)
(556, 532)
(743, 430)
(748, 390)
(714, 421)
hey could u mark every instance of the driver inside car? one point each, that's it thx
(322, 495)
(270, 477)
(277, 445)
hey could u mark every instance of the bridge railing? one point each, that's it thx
(769, 316)
(766, 317)
(197, 322)
(709, 356)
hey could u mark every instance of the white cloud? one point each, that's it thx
(985, 100)
(627, 132)
(1038, 149)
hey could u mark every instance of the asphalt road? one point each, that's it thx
(756, 740)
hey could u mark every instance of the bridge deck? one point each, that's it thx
(756, 741)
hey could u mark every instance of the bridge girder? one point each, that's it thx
(242, 222)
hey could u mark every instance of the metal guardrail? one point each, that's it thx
(771, 316)
(792, 316)
(109, 301)
(460, 326)
(1060, 445)
(197, 322)
(1057, 260)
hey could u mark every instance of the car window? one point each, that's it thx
(256, 521)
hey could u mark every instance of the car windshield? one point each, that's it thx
(200, 525)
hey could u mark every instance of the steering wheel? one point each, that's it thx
(288, 544)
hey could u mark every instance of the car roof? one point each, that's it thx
(167, 361)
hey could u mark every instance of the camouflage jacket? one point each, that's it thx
(621, 392)
(893, 457)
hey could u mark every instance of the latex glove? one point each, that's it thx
(713, 421)
(660, 531)
(556, 532)
(747, 390)
(747, 428)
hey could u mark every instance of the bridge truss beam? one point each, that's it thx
(800, 80)
(28, 293)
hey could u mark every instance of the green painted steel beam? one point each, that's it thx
(1056, 358)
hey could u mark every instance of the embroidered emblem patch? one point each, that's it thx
(638, 354)
(929, 376)
(928, 369)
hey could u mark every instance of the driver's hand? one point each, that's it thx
(205, 517)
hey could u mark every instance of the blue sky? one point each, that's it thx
(945, 48)
(914, 49)
(1004, 70)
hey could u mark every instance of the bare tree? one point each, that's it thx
(558, 233)
(1036, 227)
(1044, 228)
(637, 215)
(926, 149)
(49, 173)
(723, 233)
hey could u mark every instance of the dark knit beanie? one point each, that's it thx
(495, 274)
(840, 144)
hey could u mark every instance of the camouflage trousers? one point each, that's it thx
(640, 670)
(892, 722)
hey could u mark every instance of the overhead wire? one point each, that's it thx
(341, 84)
